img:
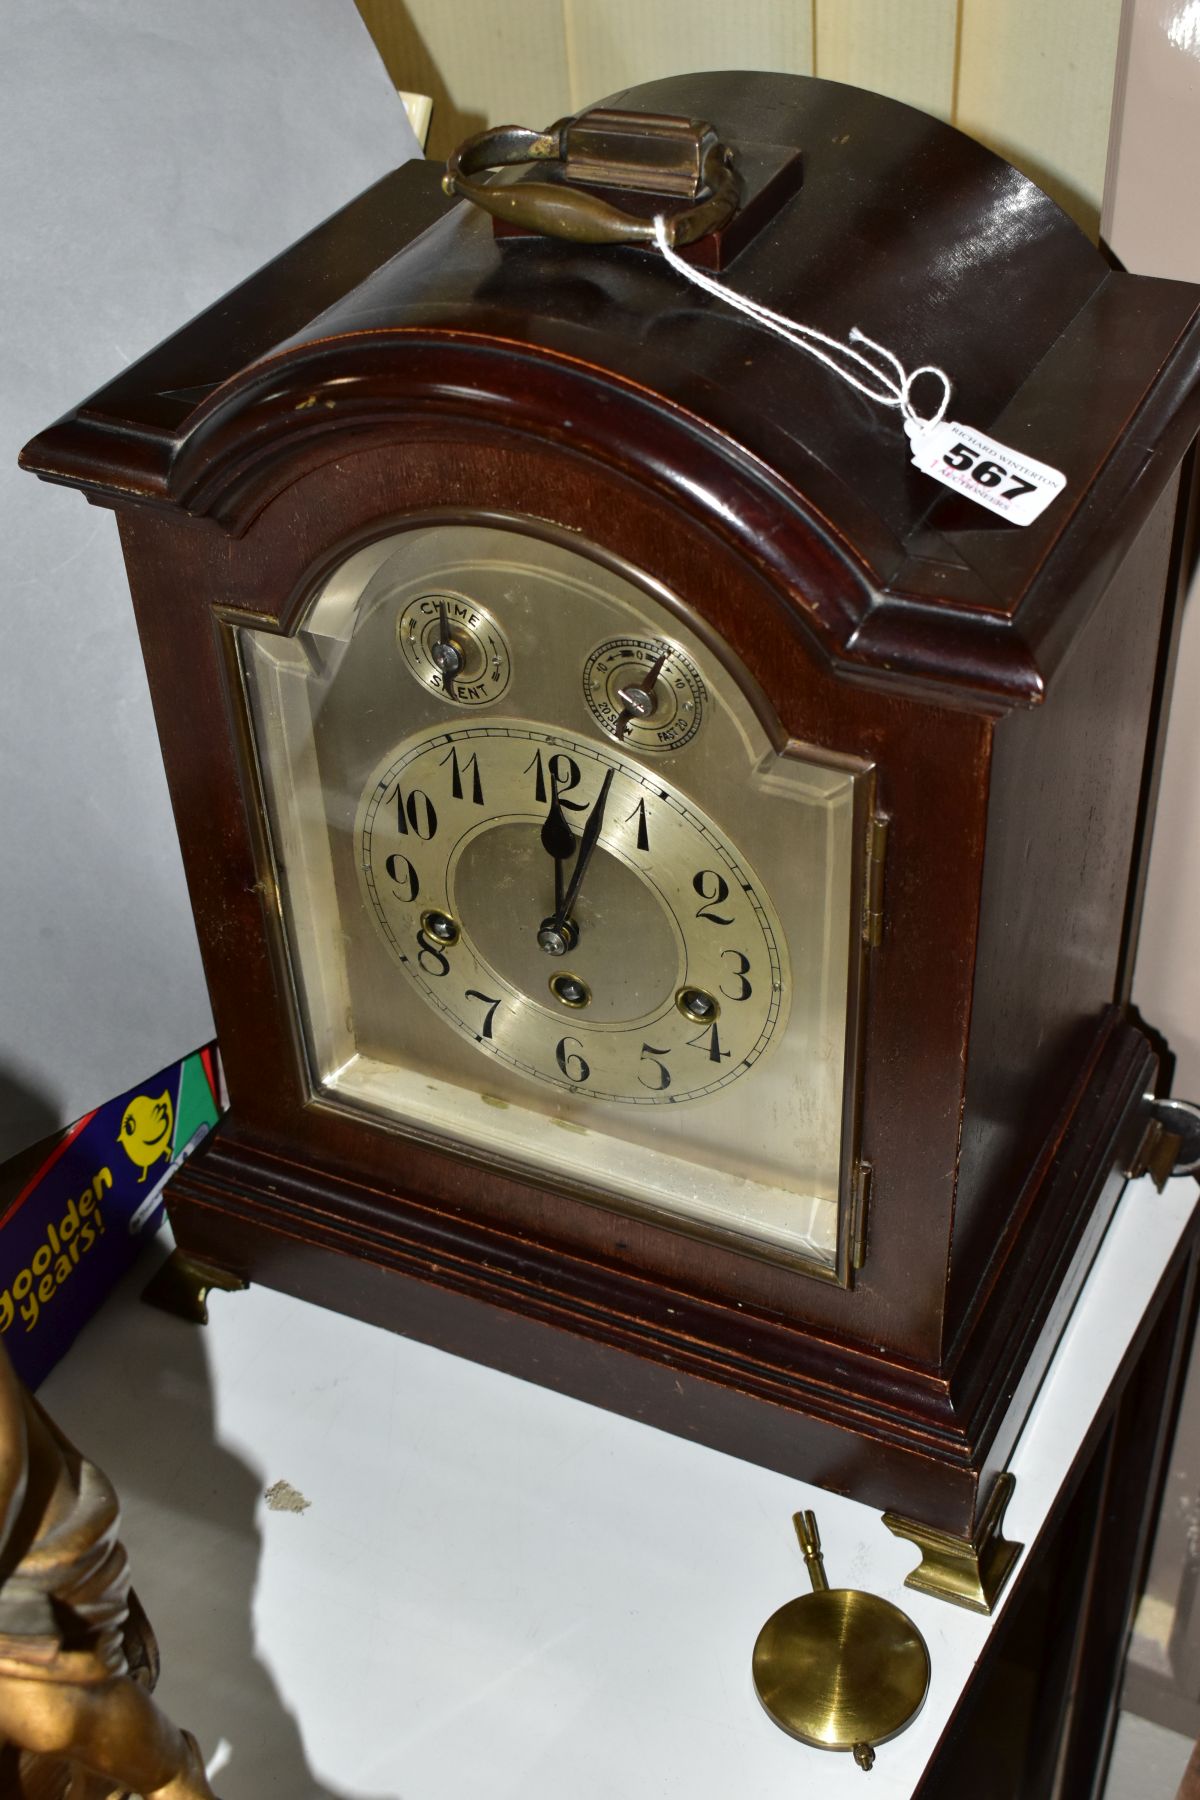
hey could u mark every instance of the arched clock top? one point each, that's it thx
(405, 319)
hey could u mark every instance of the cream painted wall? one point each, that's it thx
(1031, 78)
(1152, 220)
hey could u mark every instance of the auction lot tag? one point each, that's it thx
(1005, 481)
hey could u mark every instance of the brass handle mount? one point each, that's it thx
(670, 157)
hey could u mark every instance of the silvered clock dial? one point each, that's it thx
(555, 890)
(666, 978)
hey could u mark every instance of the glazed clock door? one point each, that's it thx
(557, 893)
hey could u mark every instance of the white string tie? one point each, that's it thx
(881, 376)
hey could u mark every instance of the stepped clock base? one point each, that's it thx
(923, 1445)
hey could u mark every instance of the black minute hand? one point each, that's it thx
(551, 935)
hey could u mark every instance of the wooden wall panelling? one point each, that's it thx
(609, 47)
(909, 52)
(1031, 78)
(482, 63)
(1035, 82)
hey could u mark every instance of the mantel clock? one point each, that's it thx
(666, 869)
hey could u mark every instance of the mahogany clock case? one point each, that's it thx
(402, 366)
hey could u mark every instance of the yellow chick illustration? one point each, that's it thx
(147, 1130)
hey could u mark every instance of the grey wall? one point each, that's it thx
(1152, 220)
(152, 154)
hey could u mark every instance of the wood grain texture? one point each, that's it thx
(1053, 906)
(907, 51)
(1036, 83)
(1189, 1787)
(920, 969)
(921, 257)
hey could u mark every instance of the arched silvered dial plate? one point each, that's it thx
(691, 1054)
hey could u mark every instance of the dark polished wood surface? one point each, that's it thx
(1189, 1787)
(903, 226)
(402, 364)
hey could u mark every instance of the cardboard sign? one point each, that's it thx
(79, 1224)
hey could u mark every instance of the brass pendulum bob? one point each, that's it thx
(839, 1668)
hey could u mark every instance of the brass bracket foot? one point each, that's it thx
(966, 1571)
(182, 1287)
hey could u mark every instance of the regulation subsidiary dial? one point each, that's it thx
(644, 692)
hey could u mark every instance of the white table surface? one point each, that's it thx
(494, 1590)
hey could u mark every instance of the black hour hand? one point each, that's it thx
(558, 841)
(558, 935)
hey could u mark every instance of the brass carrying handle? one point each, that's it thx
(642, 152)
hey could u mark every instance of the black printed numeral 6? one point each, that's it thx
(987, 474)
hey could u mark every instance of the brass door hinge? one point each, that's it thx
(860, 1200)
(877, 839)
